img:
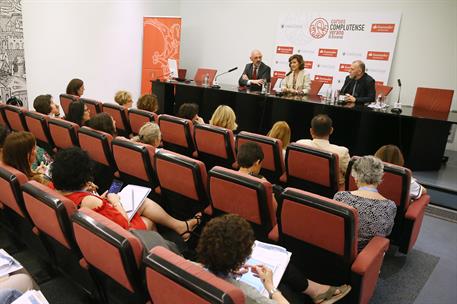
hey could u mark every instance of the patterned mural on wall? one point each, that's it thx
(12, 63)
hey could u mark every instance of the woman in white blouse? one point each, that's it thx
(297, 82)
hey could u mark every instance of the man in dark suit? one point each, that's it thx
(255, 72)
(359, 87)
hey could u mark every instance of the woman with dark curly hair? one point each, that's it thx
(103, 122)
(148, 102)
(190, 111)
(72, 176)
(297, 82)
(225, 245)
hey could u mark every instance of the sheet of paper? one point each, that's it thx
(173, 67)
(31, 297)
(132, 197)
(8, 264)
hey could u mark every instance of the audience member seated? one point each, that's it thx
(123, 98)
(190, 111)
(376, 213)
(3, 134)
(224, 117)
(78, 113)
(225, 245)
(392, 154)
(281, 131)
(321, 129)
(14, 101)
(148, 102)
(103, 122)
(149, 134)
(72, 176)
(44, 104)
(20, 152)
(75, 87)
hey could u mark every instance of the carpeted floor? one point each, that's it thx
(402, 277)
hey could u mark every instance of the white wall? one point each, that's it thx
(97, 41)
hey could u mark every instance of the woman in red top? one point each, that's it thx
(72, 176)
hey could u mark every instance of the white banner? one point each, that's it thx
(330, 42)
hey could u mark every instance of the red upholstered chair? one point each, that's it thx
(93, 105)
(312, 170)
(273, 161)
(139, 117)
(110, 252)
(135, 162)
(168, 271)
(382, 90)
(119, 114)
(435, 100)
(215, 146)
(200, 75)
(97, 144)
(177, 134)
(273, 82)
(50, 212)
(249, 197)
(322, 235)
(37, 123)
(395, 186)
(3, 120)
(316, 86)
(15, 117)
(182, 73)
(64, 133)
(65, 100)
(182, 183)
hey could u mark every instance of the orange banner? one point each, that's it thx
(161, 41)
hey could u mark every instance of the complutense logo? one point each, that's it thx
(318, 28)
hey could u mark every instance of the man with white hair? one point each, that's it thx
(255, 73)
(359, 87)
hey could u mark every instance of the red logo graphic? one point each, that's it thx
(308, 65)
(344, 67)
(324, 79)
(383, 28)
(284, 50)
(328, 52)
(279, 74)
(379, 82)
(372, 55)
(318, 28)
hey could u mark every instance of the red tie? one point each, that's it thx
(254, 74)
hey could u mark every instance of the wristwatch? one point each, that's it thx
(271, 292)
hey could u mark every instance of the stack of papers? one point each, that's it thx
(31, 297)
(274, 257)
(378, 105)
(8, 264)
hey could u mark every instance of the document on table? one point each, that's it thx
(8, 264)
(272, 256)
(132, 197)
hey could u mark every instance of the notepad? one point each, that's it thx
(8, 264)
(132, 197)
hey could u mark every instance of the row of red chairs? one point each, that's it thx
(320, 229)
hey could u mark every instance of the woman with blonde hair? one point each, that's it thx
(149, 134)
(224, 117)
(281, 131)
(123, 98)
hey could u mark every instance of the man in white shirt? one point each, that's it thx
(321, 129)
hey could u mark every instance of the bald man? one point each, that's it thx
(359, 87)
(255, 72)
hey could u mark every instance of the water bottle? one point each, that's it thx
(328, 95)
(264, 86)
(206, 80)
(336, 96)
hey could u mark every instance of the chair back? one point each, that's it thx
(109, 248)
(382, 90)
(215, 145)
(97, 144)
(93, 105)
(11, 181)
(200, 75)
(64, 133)
(435, 100)
(316, 86)
(182, 73)
(274, 79)
(139, 117)
(168, 271)
(65, 100)
(37, 123)
(50, 211)
(119, 114)
(15, 118)
(177, 134)
(238, 193)
(3, 120)
(273, 161)
(312, 169)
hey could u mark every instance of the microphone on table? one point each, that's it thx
(346, 85)
(215, 84)
(280, 93)
(397, 106)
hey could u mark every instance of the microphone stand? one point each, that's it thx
(215, 84)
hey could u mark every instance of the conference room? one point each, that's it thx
(228, 151)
